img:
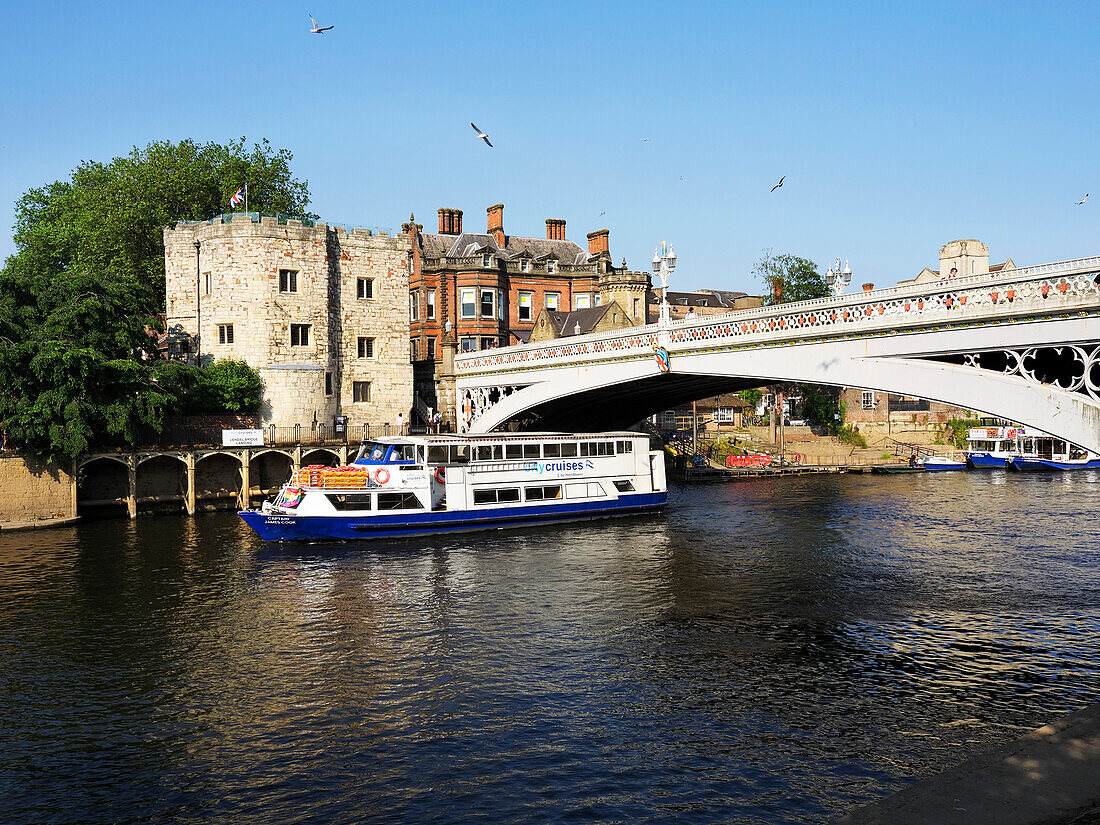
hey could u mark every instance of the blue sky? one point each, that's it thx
(899, 126)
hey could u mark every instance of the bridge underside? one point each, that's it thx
(616, 406)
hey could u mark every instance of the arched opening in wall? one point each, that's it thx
(161, 484)
(267, 472)
(102, 486)
(217, 481)
(325, 457)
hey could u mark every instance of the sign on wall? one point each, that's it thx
(242, 438)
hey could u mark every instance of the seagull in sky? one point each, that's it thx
(603, 213)
(318, 29)
(482, 135)
(644, 140)
(1083, 199)
(780, 183)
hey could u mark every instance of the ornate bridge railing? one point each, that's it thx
(1065, 288)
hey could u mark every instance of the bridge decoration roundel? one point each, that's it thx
(662, 358)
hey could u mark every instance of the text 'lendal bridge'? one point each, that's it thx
(1023, 345)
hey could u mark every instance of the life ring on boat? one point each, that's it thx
(796, 458)
(440, 475)
(382, 475)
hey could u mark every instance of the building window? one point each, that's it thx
(328, 383)
(360, 391)
(365, 347)
(429, 349)
(486, 260)
(551, 267)
(469, 305)
(414, 349)
(596, 300)
(582, 301)
(552, 300)
(288, 280)
(868, 400)
(488, 343)
(225, 333)
(414, 305)
(364, 288)
(468, 344)
(525, 301)
(207, 283)
(524, 265)
(299, 335)
(487, 301)
(430, 311)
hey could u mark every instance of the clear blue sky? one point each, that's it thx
(899, 126)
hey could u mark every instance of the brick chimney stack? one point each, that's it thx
(495, 223)
(555, 229)
(450, 221)
(598, 242)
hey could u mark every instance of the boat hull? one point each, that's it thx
(290, 527)
(1043, 465)
(985, 461)
(939, 465)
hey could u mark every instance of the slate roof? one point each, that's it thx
(471, 243)
(705, 298)
(565, 323)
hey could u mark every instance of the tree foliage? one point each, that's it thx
(80, 299)
(789, 278)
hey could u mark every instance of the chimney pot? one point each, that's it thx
(868, 287)
(598, 242)
(495, 223)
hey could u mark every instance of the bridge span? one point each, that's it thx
(1022, 345)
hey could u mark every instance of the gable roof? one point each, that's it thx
(566, 323)
(471, 243)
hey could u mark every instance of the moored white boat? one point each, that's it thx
(417, 485)
(938, 463)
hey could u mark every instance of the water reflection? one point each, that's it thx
(760, 653)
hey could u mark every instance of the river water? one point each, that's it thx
(772, 651)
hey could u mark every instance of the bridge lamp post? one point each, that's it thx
(664, 262)
(836, 281)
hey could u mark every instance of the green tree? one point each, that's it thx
(789, 278)
(80, 299)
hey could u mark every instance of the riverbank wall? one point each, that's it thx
(33, 495)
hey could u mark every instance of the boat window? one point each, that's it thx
(551, 450)
(373, 451)
(585, 447)
(460, 453)
(568, 450)
(605, 448)
(437, 454)
(350, 501)
(502, 495)
(576, 490)
(594, 489)
(531, 451)
(513, 451)
(489, 452)
(624, 446)
(398, 501)
(624, 486)
(403, 452)
(542, 493)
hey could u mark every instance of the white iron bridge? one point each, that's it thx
(1023, 345)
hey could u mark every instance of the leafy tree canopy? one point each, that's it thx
(80, 297)
(789, 278)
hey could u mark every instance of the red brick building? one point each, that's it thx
(471, 291)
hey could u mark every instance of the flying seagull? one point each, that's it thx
(1083, 199)
(318, 29)
(482, 135)
(644, 140)
(780, 183)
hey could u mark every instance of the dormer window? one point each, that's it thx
(524, 265)
(486, 260)
(551, 266)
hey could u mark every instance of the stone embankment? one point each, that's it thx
(34, 496)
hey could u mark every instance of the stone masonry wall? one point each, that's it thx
(34, 493)
(244, 259)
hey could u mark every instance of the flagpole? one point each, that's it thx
(246, 196)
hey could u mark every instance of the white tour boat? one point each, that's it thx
(1021, 448)
(416, 485)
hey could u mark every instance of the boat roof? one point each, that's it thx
(452, 438)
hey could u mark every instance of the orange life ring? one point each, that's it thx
(382, 475)
(797, 458)
(440, 475)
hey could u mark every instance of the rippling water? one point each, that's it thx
(763, 652)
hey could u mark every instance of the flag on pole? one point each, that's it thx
(238, 198)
